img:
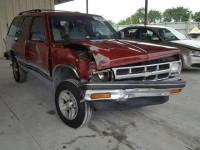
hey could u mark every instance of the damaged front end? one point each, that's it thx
(117, 78)
(138, 85)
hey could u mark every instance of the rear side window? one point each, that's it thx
(148, 35)
(131, 33)
(22, 30)
(38, 30)
(14, 26)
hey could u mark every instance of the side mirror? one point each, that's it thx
(121, 34)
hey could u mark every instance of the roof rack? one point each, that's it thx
(43, 10)
(30, 11)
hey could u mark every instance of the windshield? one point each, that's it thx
(76, 28)
(171, 34)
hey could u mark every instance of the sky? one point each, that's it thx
(117, 10)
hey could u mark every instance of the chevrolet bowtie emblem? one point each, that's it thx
(147, 74)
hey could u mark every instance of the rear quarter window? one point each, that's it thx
(22, 30)
(131, 33)
(14, 26)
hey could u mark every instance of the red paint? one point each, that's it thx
(121, 52)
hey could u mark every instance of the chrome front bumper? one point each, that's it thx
(125, 90)
(122, 95)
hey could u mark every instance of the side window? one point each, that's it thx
(22, 30)
(167, 34)
(101, 27)
(148, 35)
(37, 32)
(131, 33)
(14, 26)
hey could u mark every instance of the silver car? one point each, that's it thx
(190, 49)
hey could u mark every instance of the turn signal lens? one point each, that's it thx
(194, 53)
(100, 96)
(175, 91)
(190, 52)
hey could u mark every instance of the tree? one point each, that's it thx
(154, 16)
(178, 14)
(181, 14)
(168, 15)
(126, 21)
(196, 16)
(138, 17)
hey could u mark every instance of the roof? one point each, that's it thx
(148, 26)
(54, 12)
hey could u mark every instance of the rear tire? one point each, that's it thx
(72, 111)
(20, 75)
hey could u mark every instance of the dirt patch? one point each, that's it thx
(80, 137)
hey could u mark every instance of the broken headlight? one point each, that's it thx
(176, 67)
(101, 76)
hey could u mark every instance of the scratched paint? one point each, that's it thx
(98, 58)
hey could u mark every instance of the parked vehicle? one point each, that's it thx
(190, 49)
(89, 66)
(195, 34)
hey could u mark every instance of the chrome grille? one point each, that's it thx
(157, 71)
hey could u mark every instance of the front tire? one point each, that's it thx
(182, 64)
(72, 111)
(19, 74)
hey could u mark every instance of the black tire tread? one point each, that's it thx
(88, 110)
(22, 74)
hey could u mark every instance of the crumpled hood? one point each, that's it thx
(188, 43)
(115, 53)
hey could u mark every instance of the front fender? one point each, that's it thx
(63, 72)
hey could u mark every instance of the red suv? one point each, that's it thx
(91, 68)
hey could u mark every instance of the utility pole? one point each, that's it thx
(87, 6)
(146, 13)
